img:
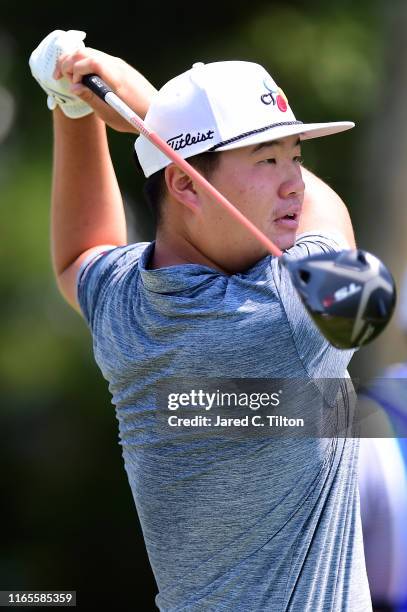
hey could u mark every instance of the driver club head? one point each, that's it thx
(350, 294)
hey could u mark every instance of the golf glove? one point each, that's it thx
(42, 63)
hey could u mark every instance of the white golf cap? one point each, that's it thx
(221, 106)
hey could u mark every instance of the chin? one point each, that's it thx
(285, 242)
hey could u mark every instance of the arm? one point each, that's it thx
(86, 204)
(87, 209)
(323, 209)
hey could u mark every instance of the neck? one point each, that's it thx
(172, 252)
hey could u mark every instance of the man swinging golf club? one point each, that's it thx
(229, 524)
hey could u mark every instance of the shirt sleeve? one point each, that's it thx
(319, 358)
(99, 272)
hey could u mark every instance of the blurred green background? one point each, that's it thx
(68, 519)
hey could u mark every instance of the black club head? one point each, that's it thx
(350, 294)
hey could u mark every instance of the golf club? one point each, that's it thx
(350, 294)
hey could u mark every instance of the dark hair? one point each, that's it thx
(155, 189)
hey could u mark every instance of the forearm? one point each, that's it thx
(136, 91)
(87, 207)
(324, 210)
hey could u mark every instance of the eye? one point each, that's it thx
(269, 160)
(298, 159)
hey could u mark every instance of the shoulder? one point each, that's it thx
(108, 258)
(100, 273)
(315, 242)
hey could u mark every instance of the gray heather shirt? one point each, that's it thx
(242, 525)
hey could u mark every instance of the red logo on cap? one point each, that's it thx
(282, 100)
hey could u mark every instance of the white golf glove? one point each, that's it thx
(42, 63)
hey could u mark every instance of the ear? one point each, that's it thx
(181, 187)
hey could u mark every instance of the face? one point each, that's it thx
(264, 182)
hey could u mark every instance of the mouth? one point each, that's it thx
(288, 221)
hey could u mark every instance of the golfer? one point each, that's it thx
(232, 524)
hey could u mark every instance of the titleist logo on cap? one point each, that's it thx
(181, 141)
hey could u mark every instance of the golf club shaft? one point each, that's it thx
(101, 89)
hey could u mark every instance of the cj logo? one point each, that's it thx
(275, 96)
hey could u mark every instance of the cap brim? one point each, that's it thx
(306, 131)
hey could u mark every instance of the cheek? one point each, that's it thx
(248, 192)
(260, 197)
(252, 192)
(238, 190)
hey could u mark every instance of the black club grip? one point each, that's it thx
(96, 84)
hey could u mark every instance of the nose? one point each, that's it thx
(293, 185)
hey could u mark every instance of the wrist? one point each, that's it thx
(80, 126)
(59, 115)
